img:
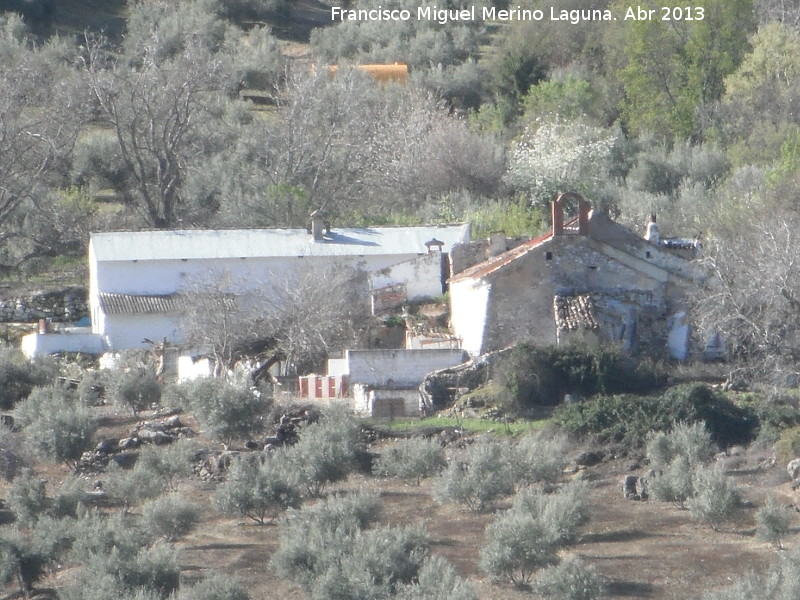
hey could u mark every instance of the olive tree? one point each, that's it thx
(259, 490)
(479, 480)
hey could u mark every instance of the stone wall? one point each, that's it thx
(64, 306)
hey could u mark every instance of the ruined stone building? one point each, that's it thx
(589, 280)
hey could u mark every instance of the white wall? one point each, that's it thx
(380, 403)
(189, 369)
(469, 307)
(399, 368)
(170, 276)
(35, 344)
(422, 276)
(122, 332)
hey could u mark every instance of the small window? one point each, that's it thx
(647, 254)
(548, 256)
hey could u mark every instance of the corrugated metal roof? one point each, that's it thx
(261, 243)
(132, 304)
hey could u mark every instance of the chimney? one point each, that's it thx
(558, 216)
(317, 226)
(497, 243)
(652, 235)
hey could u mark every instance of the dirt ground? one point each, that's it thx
(642, 549)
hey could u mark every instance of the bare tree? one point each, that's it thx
(41, 113)
(221, 318)
(753, 295)
(314, 311)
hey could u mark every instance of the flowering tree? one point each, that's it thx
(559, 156)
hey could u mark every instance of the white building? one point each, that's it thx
(136, 277)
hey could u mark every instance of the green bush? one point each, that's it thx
(55, 425)
(561, 513)
(26, 497)
(167, 464)
(630, 419)
(570, 580)
(137, 389)
(259, 490)
(484, 476)
(327, 549)
(14, 453)
(539, 458)
(325, 451)
(214, 587)
(225, 410)
(170, 517)
(772, 522)
(18, 375)
(715, 496)
(411, 459)
(437, 580)
(542, 376)
(517, 546)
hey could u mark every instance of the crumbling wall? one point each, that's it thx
(64, 306)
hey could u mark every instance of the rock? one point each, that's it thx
(106, 446)
(629, 487)
(173, 422)
(589, 459)
(159, 438)
(793, 468)
(128, 443)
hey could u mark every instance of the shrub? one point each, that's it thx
(92, 387)
(226, 411)
(325, 451)
(787, 448)
(56, 426)
(21, 561)
(517, 545)
(138, 389)
(437, 580)
(258, 490)
(482, 478)
(170, 517)
(772, 522)
(570, 580)
(70, 496)
(675, 483)
(715, 496)
(630, 419)
(539, 458)
(14, 454)
(326, 549)
(561, 513)
(128, 488)
(167, 464)
(18, 375)
(537, 376)
(412, 459)
(675, 456)
(26, 497)
(214, 587)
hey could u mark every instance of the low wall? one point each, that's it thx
(35, 344)
(385, 403)
(65, 306)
